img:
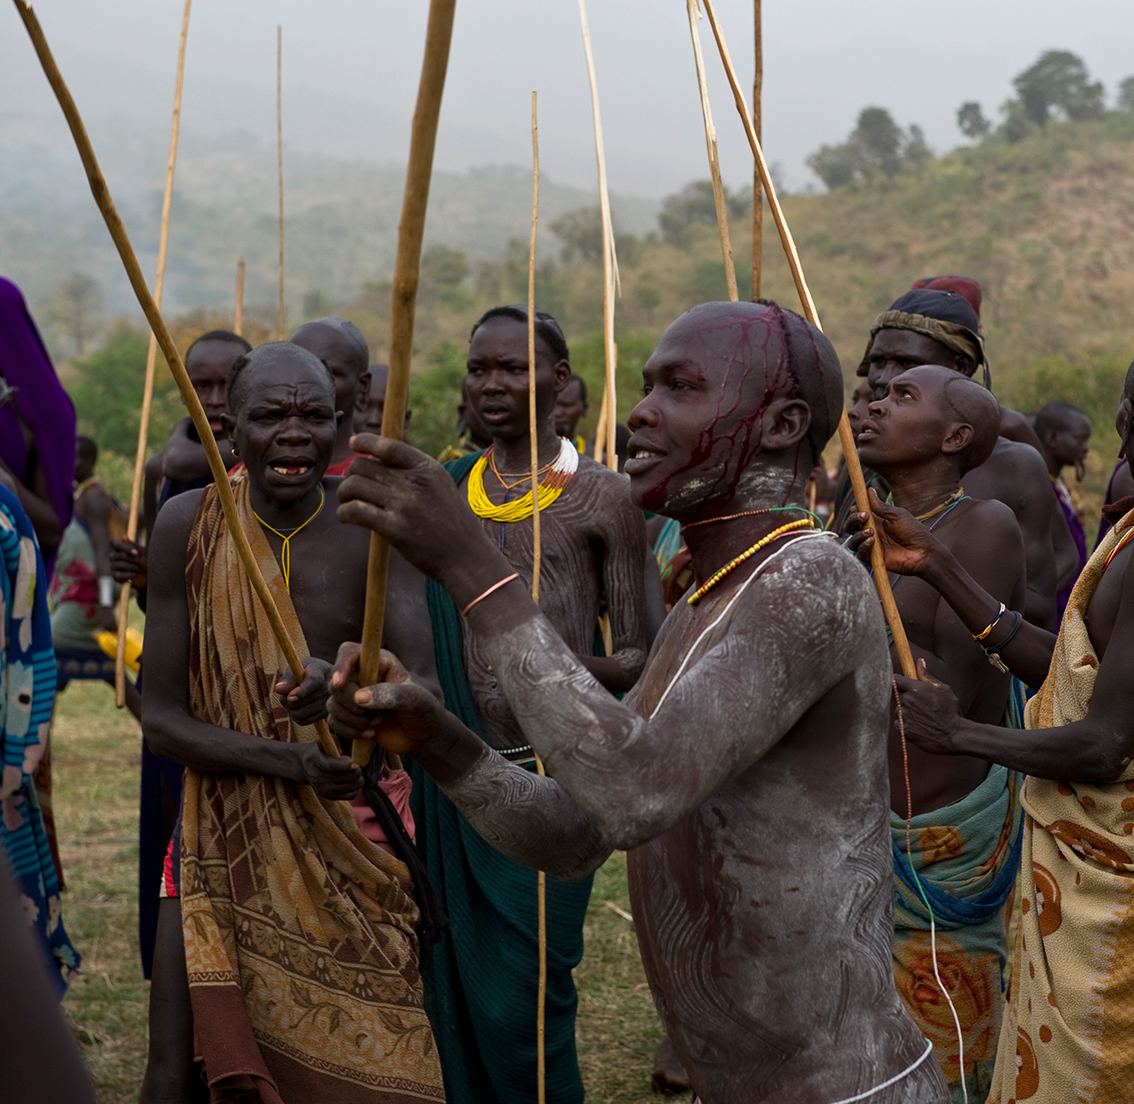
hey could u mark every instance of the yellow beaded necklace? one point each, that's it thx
(285, 555)
(717, 576)
(549, 489)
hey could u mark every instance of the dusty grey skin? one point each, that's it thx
(754, 799)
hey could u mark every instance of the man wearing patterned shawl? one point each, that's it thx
(1068, 1033)
(288, 927)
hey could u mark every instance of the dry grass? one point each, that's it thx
(97, 759)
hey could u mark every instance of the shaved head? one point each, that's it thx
(974, 404)
(266, 360)
(334, 338)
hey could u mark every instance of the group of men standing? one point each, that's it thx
(823, 855)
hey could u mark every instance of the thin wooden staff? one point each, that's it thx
(279, 162)
(151, 364)
(694, 11)
(110, 215)
(757, 185)
(846, 438)
(407, 265)
(610, 278)
(541, 877)
(238, 308)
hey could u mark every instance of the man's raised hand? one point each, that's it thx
(307, 702)
(397, 712)
(907, 544)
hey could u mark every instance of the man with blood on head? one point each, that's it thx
(746, 772)
(955, 822)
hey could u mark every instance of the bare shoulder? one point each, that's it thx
(167, 546)
(609, 488)
(991, 516)
(1014, 459)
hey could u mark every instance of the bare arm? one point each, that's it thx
(167, 720)
(45, 521)
(184, 458)
(1096, 749)
(624, 551)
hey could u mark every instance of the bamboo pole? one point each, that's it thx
(151, 364)
(610, 278)
(407, 264)
(238, 308)
(694, 11)
(758, 128)
(121, 239)
(533, 435)
(279, 163)
(600, 428)
(846, 438)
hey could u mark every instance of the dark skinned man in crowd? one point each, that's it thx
(934, 326)
(955, 823)
(1064, 432)
(745, 773)
(292, 899)
(481, 983)
(339, 344)
(1067, 1033)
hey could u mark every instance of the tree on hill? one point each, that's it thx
(694, 206)
(1126, 94)
(580, 232)
(1058, 82)
(876, 147)
(971, 121)
(75, 309)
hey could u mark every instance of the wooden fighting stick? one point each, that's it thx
(151, 364)
(608, 417)
(102, 196)
(238, 305)
(757, 184)
(694, 11)
(846, 438)
(407, 264)
(541, 877)
(279, 166)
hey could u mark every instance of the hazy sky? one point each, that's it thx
(351, 69)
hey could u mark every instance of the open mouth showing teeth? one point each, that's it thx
(291, 469)
(640, 453)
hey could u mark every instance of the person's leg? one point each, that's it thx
(172, 1077)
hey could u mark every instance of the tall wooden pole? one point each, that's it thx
(151, 364)
(541, 877)
(757, 184)
(121, 239)
(407, 265)
(694, 11)
(610, 281)
(238, 307)
(279, 165)
(846, 438)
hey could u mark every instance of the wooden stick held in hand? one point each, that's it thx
(407, 265)
(151, 364)
(757, 184)
(694, 12)
(169, 349)
(846, 438)
(238, 307)
(610, 278)
(279, 164)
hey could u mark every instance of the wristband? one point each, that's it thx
(106, 591)
(993, 656)
(995, 621)
(495, 586)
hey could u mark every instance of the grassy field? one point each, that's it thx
(97, 755)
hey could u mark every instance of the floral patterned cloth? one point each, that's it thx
(27, 693)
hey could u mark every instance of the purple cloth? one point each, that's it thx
(41, 402)
(1063, 496)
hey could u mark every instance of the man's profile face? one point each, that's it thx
(857, 410)
(895, 351)
(699, 424)
(569, 408)
(497, 382)
(285, 426)
(909, 425)
(208, 366)
(351, 387)
(1069, 442)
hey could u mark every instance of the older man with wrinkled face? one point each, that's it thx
(746, 772)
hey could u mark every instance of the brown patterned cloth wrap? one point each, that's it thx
(1068, 1032)
(302, 960)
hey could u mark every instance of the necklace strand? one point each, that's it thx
(525, 478)
(549, 489)
(748, 513)
(717, 576)
(285, 555)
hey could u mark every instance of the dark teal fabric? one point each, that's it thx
(481, 979)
